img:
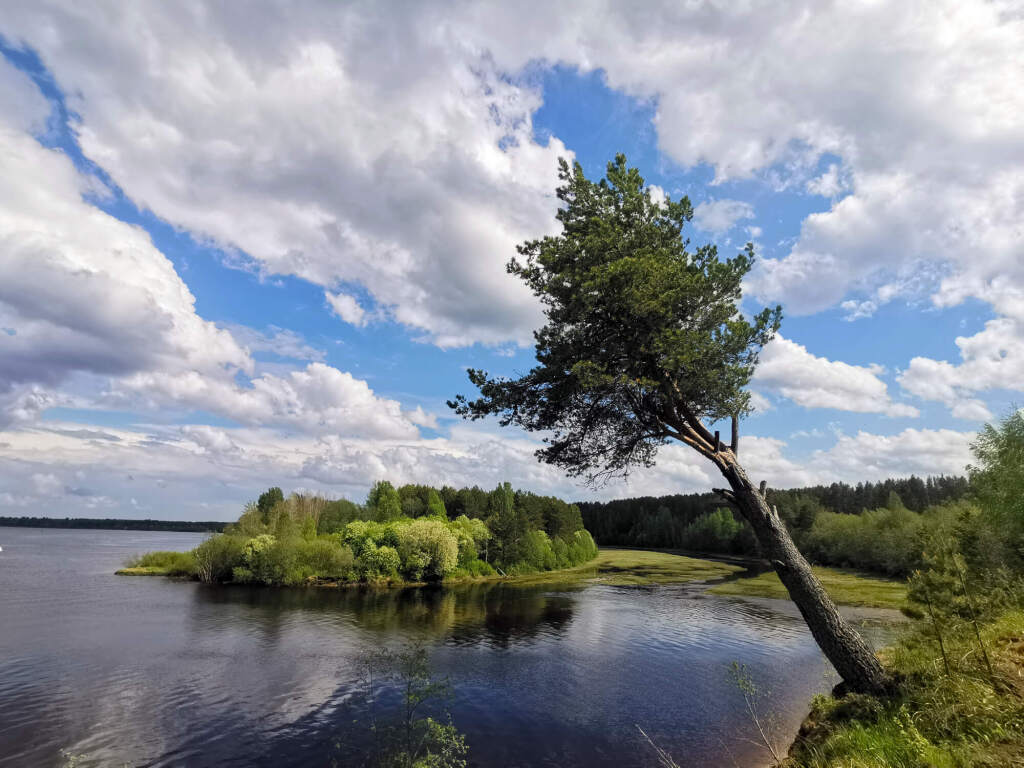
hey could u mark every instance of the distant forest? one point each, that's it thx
(114, 524)
(703, 522)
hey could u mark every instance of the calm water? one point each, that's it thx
(151, 672)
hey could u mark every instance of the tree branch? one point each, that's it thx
(729, 496)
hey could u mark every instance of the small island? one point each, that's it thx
(401, 536)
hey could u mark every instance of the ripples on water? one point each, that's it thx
(151, 672)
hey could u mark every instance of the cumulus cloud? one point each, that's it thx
(817, 382)
(83, 293)
(719, 216)
(342, 144)
(270, 131)
(990, 359)
(346, 307)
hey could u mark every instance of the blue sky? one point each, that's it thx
(293, 241)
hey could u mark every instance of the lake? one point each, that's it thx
(120, 670)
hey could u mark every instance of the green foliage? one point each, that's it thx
(434, 504)
(287, 544)
(662, 521)
(337, 514)
(217, 557)
(267, 501)
(428, 550)
(325, 558)
(376, 563)
(955, 715)
(641, 333)
(413, 739)
(997, 480)
(714, 532)
(384, 502)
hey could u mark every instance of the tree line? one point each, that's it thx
(700, 521)
(114, 524)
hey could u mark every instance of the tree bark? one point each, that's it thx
(859, 668)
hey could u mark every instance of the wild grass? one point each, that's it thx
(964, 718)
(635, 567)
(845, 587)
(161, 563)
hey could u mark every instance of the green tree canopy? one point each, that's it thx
(384, 501)
(642, 334)
(644, 341)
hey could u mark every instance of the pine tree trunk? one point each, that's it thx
(859, 668)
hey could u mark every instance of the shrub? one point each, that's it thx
(325, 559)
(378, 562)
(359, 533)
(428, 549)
(217, 557)
(476, 569)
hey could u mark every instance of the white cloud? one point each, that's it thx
(316, 400)
(829, 184)
(867, 456)
(279, 341)
(86, 295)
(719, 216)
(271, 131)
(990, 359)
(817, 382)
(342, 144)
(346, 307)
(204, 472)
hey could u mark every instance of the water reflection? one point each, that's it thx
(491, 613)
(153, 672)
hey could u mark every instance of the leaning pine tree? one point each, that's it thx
(644, 343)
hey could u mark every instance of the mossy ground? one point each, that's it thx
(936, 720)
(635, 567)
(845, 587)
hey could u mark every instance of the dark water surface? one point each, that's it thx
(150, 672)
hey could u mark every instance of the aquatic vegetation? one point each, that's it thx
(844, 587)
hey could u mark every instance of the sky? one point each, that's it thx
(253, 245)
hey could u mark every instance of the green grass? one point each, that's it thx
(845, 587)
(634, 567)
(160, 564)
(935, 720)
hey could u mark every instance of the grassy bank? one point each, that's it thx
(968, 716)
(161, 563)
(636, 567)
(845, 587)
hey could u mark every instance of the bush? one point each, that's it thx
(475, 569)
(378, 562)
(428, 550)
(326, 559)
(359, 533)
(217, 557)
